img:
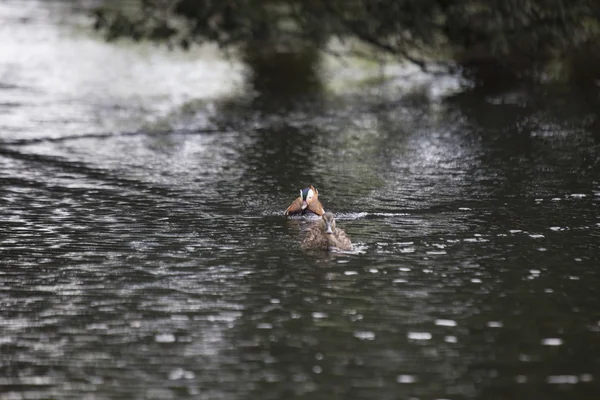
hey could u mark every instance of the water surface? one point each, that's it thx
(144, 254)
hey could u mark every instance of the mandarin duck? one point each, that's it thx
(324, 235)
(307, 203)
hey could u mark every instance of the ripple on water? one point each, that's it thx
(142, 246)
(419, 335)
(445, 322)
(164, 338)
(562, 379)
(406, 379)
(364, 335)
(180, 373)
(552, 342)
(351, 216)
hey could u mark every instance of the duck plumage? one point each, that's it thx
(307, 203)
(324, 235)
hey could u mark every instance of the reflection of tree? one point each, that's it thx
(283, 75)
(524, 37)
(283, 90)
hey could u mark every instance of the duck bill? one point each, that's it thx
(304, 205)
(328, 229)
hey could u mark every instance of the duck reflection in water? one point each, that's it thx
(307, 203)
(324, 235)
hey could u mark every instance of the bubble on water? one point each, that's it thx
(495, 324)
(265, 325)
(399, 280)
(450, 339)
(476, 280)
(578, 195)
(521, 379)
(536, 235)
(404, 269)
(319, 315)
(348, 273)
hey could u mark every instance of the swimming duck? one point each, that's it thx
(324, 235)
(307, 203)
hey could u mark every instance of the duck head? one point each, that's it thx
(310, 200)
(307, 195)
(328, 223)
(307, 202)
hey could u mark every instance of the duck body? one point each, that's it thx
(324, 235)
(307, 203)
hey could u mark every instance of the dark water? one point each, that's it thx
(158, 265)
